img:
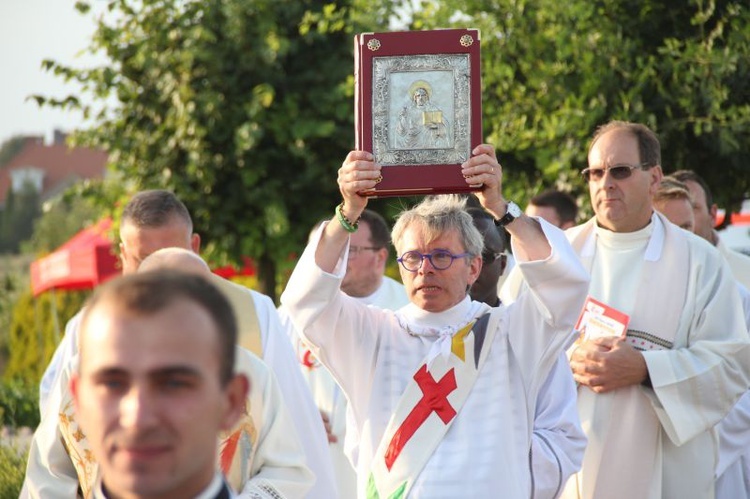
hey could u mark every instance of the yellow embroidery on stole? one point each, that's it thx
(457, 343)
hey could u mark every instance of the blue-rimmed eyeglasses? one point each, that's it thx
(439, 259)
(618, 172)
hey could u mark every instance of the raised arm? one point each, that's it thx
(358, 173)
(483, 168)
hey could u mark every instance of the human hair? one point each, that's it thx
(672, 189)
(480, 214)
(379, 232)
(649, 149)
(563, 203)
(691, 176)
(436, 215)
(155, 208)
(149, 293)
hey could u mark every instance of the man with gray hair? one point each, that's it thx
(443, 390)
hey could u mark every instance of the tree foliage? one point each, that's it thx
(242, 107)
(10, 148)
(60, 220)
(554, 71)
(17, 218)
(36, 327)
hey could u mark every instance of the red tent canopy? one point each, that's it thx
(247, 269)
(83, 262)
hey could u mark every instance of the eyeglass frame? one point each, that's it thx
(355, 250)
(586, 172)
(429, 257)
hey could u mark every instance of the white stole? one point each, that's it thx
(393, 473)
(624, 454)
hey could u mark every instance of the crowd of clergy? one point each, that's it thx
(521, 355)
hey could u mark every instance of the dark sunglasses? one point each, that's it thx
(618, 172)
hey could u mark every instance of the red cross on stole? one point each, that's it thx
(434, 399)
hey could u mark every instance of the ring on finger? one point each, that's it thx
(379, 179)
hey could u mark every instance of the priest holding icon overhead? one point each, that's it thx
(443, 390)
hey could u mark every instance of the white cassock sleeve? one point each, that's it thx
(697, 382)
(49, 471)
(65, 351)
(278, 466)
(558, 441)
(734, 438)
(279, 355)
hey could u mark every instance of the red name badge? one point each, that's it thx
(599, 320)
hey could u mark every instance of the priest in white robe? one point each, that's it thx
(261, 456)
(443, 391)
(649, 400)
(156, 219)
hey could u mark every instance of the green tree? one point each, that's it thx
(242, 107)
(17, 221)
(36, 327)
(554, 71)
(61, 219)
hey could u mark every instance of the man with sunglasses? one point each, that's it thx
(649, 398)
(443, 391)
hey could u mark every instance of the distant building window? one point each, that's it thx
(20, 177)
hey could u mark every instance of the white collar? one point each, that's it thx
(653, 249)
(439, 326)
(211, 491)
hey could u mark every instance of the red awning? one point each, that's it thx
(83, 262)
(229, 271)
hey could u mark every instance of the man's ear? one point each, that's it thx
(122, 255)
(382, 254)
(713, 210)
(656, 176)
(475, 268)
(73, 387)
(195, 243)
(236, 392)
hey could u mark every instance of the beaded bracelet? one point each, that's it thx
(347, 224)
